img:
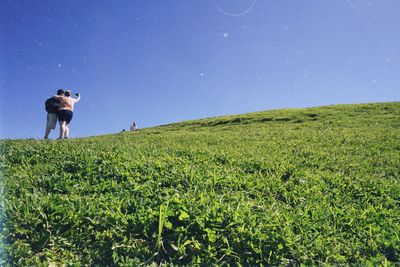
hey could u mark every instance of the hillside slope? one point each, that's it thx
(311, 186)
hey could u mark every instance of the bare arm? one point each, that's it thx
(78, 98)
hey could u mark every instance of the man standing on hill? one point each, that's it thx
(133, 127)
(52, 105)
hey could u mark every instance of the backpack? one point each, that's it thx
(52, 104)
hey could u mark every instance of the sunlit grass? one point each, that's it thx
(308, 186)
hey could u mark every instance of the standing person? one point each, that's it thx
(133, 127)
(65, 112)
(52, 105)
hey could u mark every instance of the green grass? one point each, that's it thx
(285, 187)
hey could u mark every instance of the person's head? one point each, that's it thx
(60, 92)
(67, 93)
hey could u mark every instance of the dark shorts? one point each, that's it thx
(65, 115)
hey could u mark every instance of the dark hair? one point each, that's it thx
(67, 93)
(60, 91)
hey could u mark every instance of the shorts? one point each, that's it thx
(65, 115)
(51, 120)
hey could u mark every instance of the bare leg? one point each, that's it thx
(62, 129)
(46, 134)
(66, 131)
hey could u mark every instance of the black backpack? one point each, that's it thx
(52, 104)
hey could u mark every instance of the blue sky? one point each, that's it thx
(157, 62)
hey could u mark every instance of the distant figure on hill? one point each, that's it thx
(65, 112)
(52, 105)
(133, 127)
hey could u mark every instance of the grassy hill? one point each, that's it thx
(282, 187)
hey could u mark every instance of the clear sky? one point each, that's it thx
(158, 62)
